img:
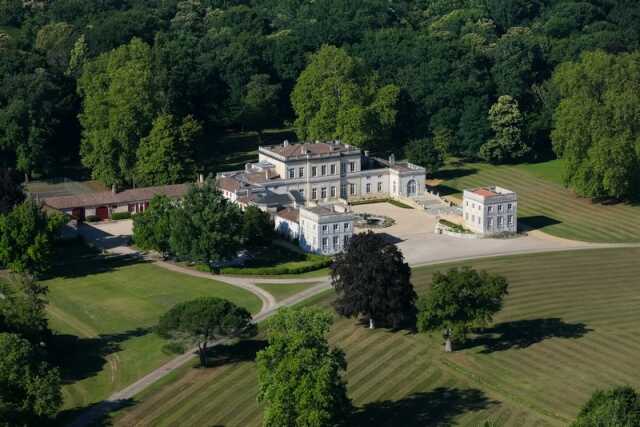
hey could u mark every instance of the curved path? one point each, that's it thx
(419, 252)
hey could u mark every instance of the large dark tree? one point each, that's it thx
(371, 279)
(460, 300)
(617, 407)
(203, 320)
(257, 228)
(11, 192)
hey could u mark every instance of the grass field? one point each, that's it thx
(568, 327)
(102, 311)
(544, 204)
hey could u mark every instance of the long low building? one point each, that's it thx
(105, 203)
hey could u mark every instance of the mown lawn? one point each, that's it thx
(544, 204)
(568, 327)
(103, 309)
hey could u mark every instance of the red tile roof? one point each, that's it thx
(485, 192)
(290, 214)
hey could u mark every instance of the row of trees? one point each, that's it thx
(203, 227)
(29, 384)
(131, 87)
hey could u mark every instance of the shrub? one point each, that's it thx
(315, 263)
(92, 218)
(174, 348)
(456, 228)
(120, 215)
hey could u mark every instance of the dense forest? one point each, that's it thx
(134, 90)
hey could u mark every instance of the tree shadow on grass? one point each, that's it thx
(521, 334)
(97, 414)
(241, 351)
(537, 222)
(460, 171)
(436, 407)
(93, 265)
(80, 358)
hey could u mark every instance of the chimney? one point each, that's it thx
(392, 159)
(285, 143)
(114, 188)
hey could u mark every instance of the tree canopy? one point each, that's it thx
(619, 406)
(203, 320)
(29, 389)
(371, 279)
(152, 228)
(26, 238)
(300, 377)
(460, 300)
(11, 193)
(596, 127)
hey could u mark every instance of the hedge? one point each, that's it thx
(120, 215)
(92, 218)
(305, 267)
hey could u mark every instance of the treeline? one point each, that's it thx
(140, 91)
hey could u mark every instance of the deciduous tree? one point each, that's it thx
(23, 309)
(29, 390)
(506, 122)
(11, 192)
(371, 279)
(257, 228)
(203, 320)
(424, 152)
(619, 406)
(460, 300)
(337, 97)
(300, 377)
(259, 104)
(152, 228)
(165, 156)
(595, 129)
(207, 228)
(26, 238)
(118, 107)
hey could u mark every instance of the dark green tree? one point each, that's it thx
(371, 279)
(617, 407)
(206, 229)
(23, 309)
(118, 107)
(300, 377)
(425, 153)
(259, 104)
(206, 319)
(152, 228)
(166, 155)
(26, 238)
(506, 122)
(257, 228)
(11, 193)
(593, 130)
(460, 300)
(29, 389)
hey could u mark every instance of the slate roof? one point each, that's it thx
(105, 198)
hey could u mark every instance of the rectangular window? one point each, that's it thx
(336, 242)
(343, 191)
(510, 220)
(314, 193)
(345, 240)
(333, 191)
(336, 228)
(473, 206)
(333, 169)
(346, 226)
(325, 243)
(343, 169)
(300, 172)
(323, 193)
(325, 229)
(490, 209)
(352, 189)
(368, 188)
(509, 206)
(490, 222)
(394, 187)
(301, 191)
(379, 187)
(467, 203)
(323, 170)
(292, 173)
(499, 221)
(314, 171)
(352, 166)
(499, 208)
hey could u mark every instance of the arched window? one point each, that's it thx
(411, 188)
